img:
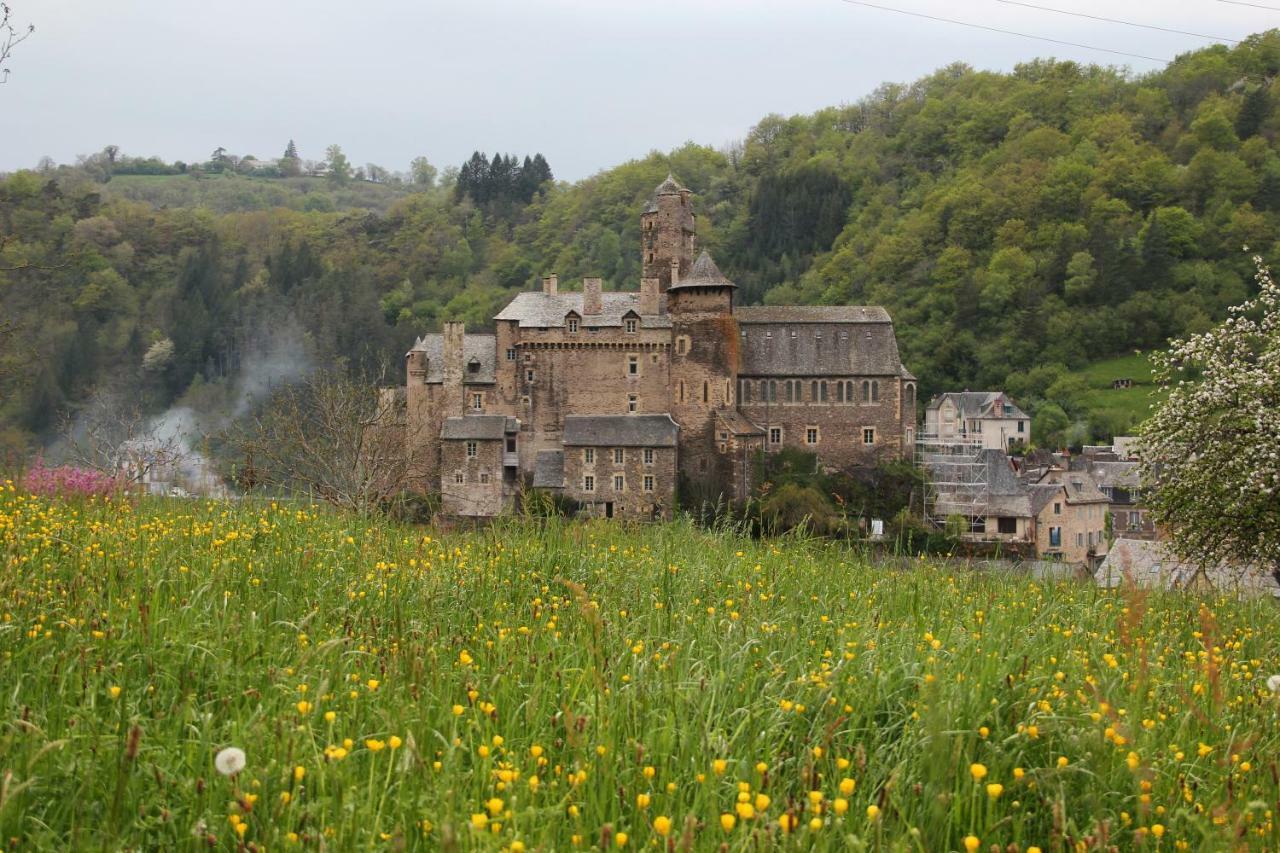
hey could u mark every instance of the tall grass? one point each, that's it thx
(560, 685)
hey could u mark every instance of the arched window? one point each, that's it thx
(875, 391)
(813, 391)
(773, 391)
(822, 391)
(866, 391)
(745, 393)
(786, 390)
(839, 392)
(909, 394)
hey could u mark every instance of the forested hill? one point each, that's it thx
(1057, 215)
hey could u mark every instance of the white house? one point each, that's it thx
(989, 419)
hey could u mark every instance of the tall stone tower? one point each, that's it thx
(705, 359)
(667, 234)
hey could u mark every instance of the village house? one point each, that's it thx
(1149, 564)
(1058, 515)
(613, 399)
(987, 419)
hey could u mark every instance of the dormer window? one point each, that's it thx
(571, 323)
(473, 366)
(631, 325)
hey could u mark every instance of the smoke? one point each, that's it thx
(278, 356)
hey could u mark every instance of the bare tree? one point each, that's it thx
(11, 35)
(330, 436)
(111, 434)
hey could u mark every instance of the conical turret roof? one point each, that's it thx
(668, 187)
(704, 273)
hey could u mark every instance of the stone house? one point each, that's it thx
(474, 451)
(988, 419)
(1060, 515)
(716, 382)
(1154, 564)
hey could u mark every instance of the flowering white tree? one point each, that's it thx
(1212, 448)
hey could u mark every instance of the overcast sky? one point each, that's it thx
(589, 83)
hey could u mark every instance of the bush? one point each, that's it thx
(68, 480)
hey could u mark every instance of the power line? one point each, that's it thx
(1254, 5)
(1004, 32)
(1117, 21)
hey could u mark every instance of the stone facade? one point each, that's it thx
(729, 381)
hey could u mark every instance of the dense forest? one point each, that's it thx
(1018, 226)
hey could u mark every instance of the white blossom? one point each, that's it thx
(229, 761)
(1273, 684)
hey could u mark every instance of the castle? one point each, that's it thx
(611, 398)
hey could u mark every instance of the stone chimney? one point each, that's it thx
(675, 271)
(592, 302)
(451, 358)
(551, 285)
(649, 296)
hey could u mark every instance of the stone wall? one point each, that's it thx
(473, 496)
(632, 501)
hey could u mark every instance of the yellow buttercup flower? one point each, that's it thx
(727, 821)
(978, 772)
(971, 843)
(662, 825)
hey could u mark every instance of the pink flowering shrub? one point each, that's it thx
(68, 480)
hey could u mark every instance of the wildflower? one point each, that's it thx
(373, 683)
(374, 745)
(1203, 750)
(873, 812)
(719, 766)
(1157, 829)
(479, 820)
(457, 710)
(762, 802)
(495, 806)
(847, 786)
(394, 742)
(815, 824)
(464, 658)
(761, 767)
(971, 843)
(1062, 761)
(535, 751)
(1018, 773)
(978, 772)
(662, 825)
(229, 761)
(621, 839)
(642, 801)
(1273, 684)
(649, 772)
(994, 790)
(727, 822)
(746, 811)
(114, 690)
(787, 822)
(299, 772)
(304, 707)
(330, 716)
(840, 805)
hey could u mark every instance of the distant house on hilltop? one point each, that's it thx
(989, 419)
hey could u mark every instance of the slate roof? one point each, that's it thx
(668, 187)
(480, 349)
(703, 273)
(1001, 494)
(620, 431)
(818, 341)
(1116, 475)
(737, 423)
(548, 469)
(535, 309)
(978, 404)
(1154, 564)
(1079, 485)
(479, 427)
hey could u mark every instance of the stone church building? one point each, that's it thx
(612, 398)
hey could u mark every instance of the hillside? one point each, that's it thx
(1020, 227)
(230, 193)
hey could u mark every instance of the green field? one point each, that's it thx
(564, 686)
(1131, 405)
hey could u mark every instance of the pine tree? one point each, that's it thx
(1254, 112)
(290, 163)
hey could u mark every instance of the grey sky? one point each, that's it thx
(590, 83)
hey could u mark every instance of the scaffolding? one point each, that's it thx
(955, 477)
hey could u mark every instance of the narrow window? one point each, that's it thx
(728, 393)
(875, 392)
(528, 376)
(773, 390)
(511, 355)
(457, 477)
(631, 326)
(706, 391)
(617, 456)
(633, 403)
(484, 476)
(680, 395)
(775, 435)
(648, 482)
(909, 393)
(589, 456)
(839, 392)
(786, 390)
(866, 391)
(744, 393)
(648, 456)
(618, 482)
(813, 392)
(1057, 509)
(477, 402)
(472, 450)
(588, 483)
(633, 365)
(811, 435)
(573, 324)
(822, 391)
(868, 435)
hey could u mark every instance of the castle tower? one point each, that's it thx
(667, 234)
(705, 357)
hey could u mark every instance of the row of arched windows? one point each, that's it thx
(819, 391)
